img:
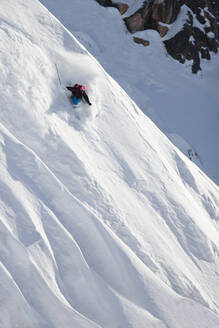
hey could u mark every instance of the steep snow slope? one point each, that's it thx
(104, 223)
(184, 106)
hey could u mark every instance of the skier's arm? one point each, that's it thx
(85, 96)
(70, 88)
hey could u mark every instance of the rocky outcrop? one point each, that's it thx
(166, 11)
(162, 30)
(122, 7)
(105, 3)
(199, 35)
(197, 38)
(153, 12)
(145, 43)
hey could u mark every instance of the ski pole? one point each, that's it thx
(57, 71)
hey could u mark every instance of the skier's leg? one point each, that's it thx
(75, 100)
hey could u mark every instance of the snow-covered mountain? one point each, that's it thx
(184, 106)
(104, 222)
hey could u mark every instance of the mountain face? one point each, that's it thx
(104, 223)
(196, 37)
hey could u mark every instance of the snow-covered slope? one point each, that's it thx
(104, 223)
(184, 106)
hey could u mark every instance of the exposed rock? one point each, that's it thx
(105, 3)
(205, 53)
(166, 11)
(204, 39)
(153, 12)
(162, 30)
(122, 7)
(141, 41)
(135, 23)
(141, 19)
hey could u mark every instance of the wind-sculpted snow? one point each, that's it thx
(63, 259)
(103, 222)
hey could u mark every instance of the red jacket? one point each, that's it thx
(78, 93)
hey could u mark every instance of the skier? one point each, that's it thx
(78, 92)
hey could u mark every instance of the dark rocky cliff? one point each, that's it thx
(198, 37)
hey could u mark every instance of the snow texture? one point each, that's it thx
(103, 221)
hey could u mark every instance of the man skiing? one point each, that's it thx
(78, 92)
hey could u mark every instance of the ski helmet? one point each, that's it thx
(83, 87)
